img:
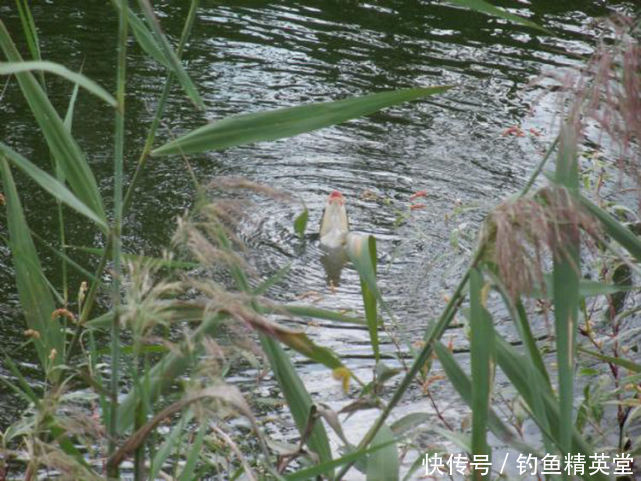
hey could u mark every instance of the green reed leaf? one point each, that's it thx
(30, 32)
(193, 454)
(566, 273)
(33, 291)
(295, 339)
(614, 228)
(63, 147)
(519, 316)
(482, 362)
(277, 124)
(12, 68)
(624, 363)
(29, 28)
(177, 434)
(51, 185)
(463, 385)
(318, 469)
(383, 465)
(541, 403)
(362, 252)
(298, 399)
(300, 223)
(68, 121)
(171, 59)
(145, 38)
(313, 312)
(489, 9)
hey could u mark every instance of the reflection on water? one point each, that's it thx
(333, 259)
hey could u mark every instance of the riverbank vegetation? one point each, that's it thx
(142, 390)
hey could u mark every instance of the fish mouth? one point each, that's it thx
(336, 197)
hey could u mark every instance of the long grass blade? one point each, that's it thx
(63, 147)
(541, 403)
(175, 437)
(566, 273)
(520, 319)
(68, 121)
(624, 363)
(481, 355)
(51, 185)
(298, 399)
(170, 56)
(489, 9)
(463, 385)
(193, 454)
(33, 291)
(435, 333)
(64, 258)
(31, 33)
(145, 38)
(295, 339)
(614, 228)
(383, 465)
(12, 68)
(313, 312)
(318, 469)
(362, 252)
(277, 124)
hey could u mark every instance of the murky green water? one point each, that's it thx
(246, 57)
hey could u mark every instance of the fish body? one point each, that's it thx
(334, 224)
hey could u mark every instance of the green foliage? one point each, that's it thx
(489, 9)
(63, 147)
(35, 298)
(482, 359)
(277, 124)
(183, 377)
(362, 252)
(11, 68)
(300, 223)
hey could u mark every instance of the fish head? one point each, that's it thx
(334, 221)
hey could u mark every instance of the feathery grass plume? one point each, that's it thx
(205, 235)
(49, 456)
(209, 232)
(226, 183)
(522, 231)
(148, 298)
(39, 436)
(606, 91)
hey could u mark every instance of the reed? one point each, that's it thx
(530, 246)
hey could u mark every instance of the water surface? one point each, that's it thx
(246, 56)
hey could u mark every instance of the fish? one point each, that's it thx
(334, 227)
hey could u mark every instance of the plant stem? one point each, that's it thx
(151, 136)
(142, 161)
(119, 140)
(539, 168)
